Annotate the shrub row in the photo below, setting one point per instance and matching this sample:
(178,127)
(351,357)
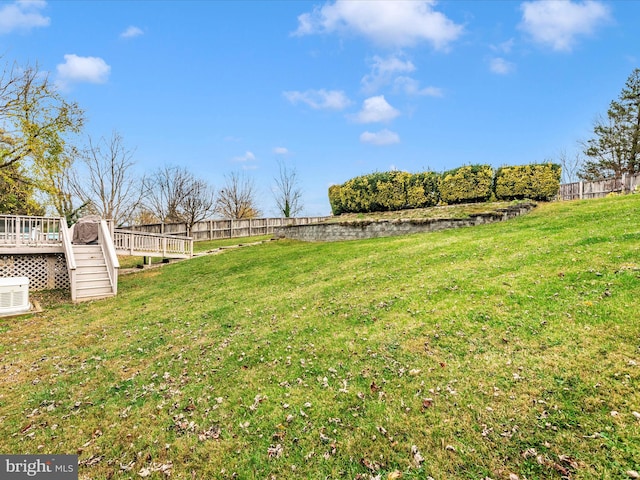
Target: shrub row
(397,190)
(385,191)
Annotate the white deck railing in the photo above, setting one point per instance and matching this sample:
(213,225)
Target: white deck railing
(27,233)
(132,243)
(18,230)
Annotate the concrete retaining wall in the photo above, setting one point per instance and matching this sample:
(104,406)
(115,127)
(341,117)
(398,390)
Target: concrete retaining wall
(358,230)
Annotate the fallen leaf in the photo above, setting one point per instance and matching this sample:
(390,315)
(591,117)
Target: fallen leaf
(274,451)
(417,456)
(371,465)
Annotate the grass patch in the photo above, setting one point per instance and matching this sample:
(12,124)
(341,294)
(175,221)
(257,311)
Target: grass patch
(439,212)
(510,348)
(207,245)
(127,261)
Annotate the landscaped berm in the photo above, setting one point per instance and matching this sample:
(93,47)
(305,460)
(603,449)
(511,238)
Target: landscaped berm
(503,351)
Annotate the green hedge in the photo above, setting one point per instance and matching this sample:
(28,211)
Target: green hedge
(386,191)
(536,182)
(472,183)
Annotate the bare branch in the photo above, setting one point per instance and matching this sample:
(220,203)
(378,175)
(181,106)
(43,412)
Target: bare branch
(109,185)
(176,195)
(237,199)
(287,193)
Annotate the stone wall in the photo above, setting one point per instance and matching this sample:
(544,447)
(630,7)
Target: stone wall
(363,229)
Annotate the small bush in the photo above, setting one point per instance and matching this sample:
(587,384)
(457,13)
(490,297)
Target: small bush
(469,184)
(537,182)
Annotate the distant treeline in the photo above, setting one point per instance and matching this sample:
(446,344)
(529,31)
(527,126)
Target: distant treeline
(396,190)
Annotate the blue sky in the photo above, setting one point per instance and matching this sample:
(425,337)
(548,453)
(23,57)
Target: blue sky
(335,89)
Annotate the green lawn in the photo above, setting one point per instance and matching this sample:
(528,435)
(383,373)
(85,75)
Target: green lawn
(510,349)
(127,261)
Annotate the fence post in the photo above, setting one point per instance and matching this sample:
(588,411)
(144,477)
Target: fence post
(624,183)
(581,189)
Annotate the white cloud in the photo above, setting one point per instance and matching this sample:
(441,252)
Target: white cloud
(23,15)
(281,151)
(320,99)
(388,23)
(247,157)
(411,86)
(504,47)
(77,69)
(558,23)
(383,70)
(501,66)
(383,137)
(376,109)
(131,32)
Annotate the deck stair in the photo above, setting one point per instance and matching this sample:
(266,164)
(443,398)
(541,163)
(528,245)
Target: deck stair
(92,278)
(92,264)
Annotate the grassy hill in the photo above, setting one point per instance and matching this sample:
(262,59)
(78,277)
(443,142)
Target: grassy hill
(505,350)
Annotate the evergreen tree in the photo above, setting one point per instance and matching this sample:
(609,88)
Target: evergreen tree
(615,149)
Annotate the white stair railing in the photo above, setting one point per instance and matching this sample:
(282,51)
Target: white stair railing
(65,238)
(110,256)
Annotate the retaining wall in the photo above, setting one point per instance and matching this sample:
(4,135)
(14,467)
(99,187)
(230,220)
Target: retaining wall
(358,230)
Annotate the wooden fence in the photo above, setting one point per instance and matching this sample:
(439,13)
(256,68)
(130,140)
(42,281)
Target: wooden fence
(600,188)
(215,229)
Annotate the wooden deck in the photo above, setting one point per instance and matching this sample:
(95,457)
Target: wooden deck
(92,269)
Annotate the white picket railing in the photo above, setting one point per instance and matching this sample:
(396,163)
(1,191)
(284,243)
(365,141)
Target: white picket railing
(128,242)
(19,230)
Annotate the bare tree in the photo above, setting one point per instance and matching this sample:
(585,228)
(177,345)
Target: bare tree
(166,188)
(175,195)
(570,166)
(237,199)
(109,186)
(61,192)
(143,216)
(197,204)
(287,192)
